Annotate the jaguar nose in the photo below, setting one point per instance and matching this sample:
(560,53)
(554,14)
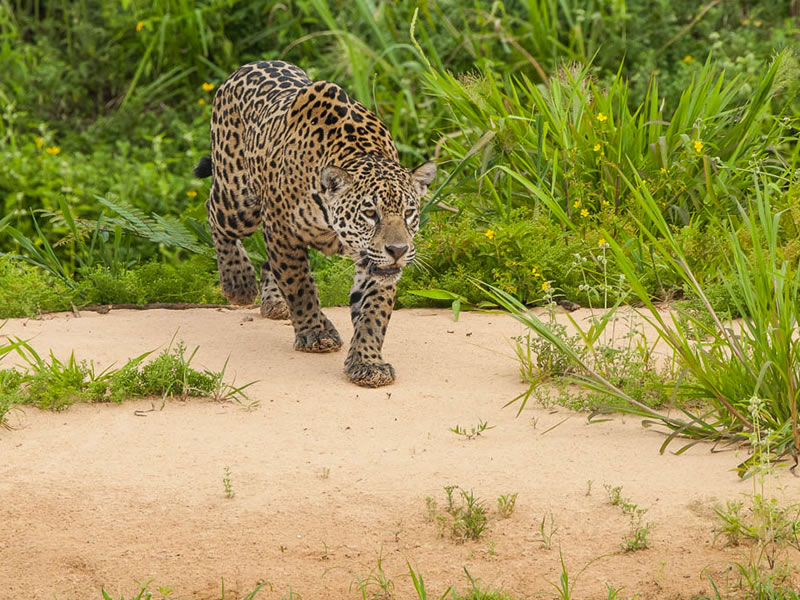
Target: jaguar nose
(396,252)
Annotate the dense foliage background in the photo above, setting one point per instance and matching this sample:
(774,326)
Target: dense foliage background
(543,116)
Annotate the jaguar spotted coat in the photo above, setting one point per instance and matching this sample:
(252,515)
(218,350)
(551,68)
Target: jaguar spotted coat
(312,168)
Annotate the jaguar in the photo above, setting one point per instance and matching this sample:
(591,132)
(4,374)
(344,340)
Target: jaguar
(312,168)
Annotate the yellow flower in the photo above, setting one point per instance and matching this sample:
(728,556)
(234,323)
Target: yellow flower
(698,146)
(207,87)
(489,234)
(576,204)
(601,242)
(606,203)
(601,117)
(201,101)
(597,147)
(139,26)
(53,150)
(584,213)
(191,193)
(664,170)
(535,272)
(38,140)
(687,59)
(545,286)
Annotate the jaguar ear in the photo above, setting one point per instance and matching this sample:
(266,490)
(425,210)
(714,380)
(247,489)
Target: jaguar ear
(335,182)
(422,176)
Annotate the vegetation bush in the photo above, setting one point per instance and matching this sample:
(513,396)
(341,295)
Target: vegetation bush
(193,281)
(113,102)
(28,290)
(526,254)
(56,384)
(741,378)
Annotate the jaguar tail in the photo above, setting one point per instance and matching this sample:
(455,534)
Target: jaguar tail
(203,168)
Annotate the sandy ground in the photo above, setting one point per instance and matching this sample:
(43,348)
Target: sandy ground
(329,477)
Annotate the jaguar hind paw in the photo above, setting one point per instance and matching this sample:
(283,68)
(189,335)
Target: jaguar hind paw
(318,341)
(277,311)
(370,374)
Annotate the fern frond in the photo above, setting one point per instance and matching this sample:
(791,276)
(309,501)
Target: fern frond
(167,230)
(134,219)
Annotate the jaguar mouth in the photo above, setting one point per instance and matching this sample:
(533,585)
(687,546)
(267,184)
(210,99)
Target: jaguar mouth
(386,271)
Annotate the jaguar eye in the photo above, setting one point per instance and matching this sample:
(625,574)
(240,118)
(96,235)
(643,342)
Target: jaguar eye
(409,213)
(370,213)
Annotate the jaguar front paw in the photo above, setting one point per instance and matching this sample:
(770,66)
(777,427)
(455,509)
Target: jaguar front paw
(318,340)
(369,374)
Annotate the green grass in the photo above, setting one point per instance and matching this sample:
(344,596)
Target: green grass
(55,384)
(29,291)
(735,375)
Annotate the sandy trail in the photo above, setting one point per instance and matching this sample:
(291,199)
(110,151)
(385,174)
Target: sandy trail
(329,476)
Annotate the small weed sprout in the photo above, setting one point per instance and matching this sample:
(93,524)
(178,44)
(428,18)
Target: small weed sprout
(377,585)
(565,588)
(442,525)
(613,593)
(639,529)
(470,519)
(419,584)
(227,484)
(222,391)
(732,523)
(449,490)
(506,504)
(547,530)
(474,432)
(466,517)
(326,554)
(614,494)
(398,529)
(431,509)
(637,538)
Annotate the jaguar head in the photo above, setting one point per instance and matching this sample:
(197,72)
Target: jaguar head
(374,208)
